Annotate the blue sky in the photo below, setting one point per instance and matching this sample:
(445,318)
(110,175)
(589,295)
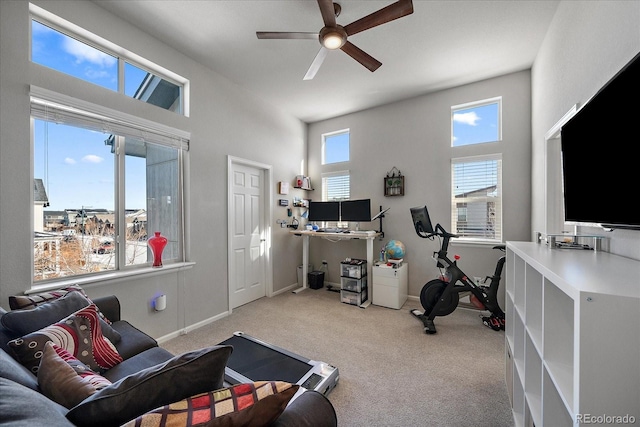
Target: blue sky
(475,125)
(75,164)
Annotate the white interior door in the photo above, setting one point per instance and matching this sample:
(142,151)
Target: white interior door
(247,263)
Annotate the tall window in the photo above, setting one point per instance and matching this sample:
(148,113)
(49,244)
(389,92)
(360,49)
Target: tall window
(105,192)
(89,58)
(476,122)
(335,147)
(104,180)
(476,202)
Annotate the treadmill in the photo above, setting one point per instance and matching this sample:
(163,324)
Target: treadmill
(254,360)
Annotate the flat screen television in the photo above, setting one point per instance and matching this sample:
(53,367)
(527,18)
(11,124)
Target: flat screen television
(600,170)
(324,211)
(355,210)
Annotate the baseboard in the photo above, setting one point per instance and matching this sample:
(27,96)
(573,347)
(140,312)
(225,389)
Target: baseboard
(192,327)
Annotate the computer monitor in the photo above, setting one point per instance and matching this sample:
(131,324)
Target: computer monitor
(355,210)
(421,221)
(324,211)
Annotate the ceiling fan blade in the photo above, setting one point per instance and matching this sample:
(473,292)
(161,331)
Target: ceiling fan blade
(328,12)
(386,14)
(286,35)
(361,56)
(317,62)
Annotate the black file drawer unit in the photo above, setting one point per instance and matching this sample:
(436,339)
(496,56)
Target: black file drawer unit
(353,281)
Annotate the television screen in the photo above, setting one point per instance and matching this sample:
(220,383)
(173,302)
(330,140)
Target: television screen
(324,211)
(599,172)
(355,210)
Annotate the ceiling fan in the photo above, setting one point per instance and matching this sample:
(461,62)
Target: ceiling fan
(333,36)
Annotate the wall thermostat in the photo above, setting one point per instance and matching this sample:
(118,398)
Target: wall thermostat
(284,202)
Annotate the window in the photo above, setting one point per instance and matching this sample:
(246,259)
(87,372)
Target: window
(89,58)
(335,147)
(476,122)
(335,187)
(476,202)
(104,180)
(105,192)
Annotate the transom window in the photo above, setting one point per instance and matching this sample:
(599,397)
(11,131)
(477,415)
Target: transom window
(476,201)
(89,58)
(335,147)
(476,122)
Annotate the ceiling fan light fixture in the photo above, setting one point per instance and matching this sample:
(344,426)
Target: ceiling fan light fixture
(333,38)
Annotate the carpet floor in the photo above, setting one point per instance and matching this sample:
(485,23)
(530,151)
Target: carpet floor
(391,372)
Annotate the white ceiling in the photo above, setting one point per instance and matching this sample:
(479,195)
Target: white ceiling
(441,45)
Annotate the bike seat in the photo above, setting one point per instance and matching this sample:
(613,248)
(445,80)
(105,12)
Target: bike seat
(501,247)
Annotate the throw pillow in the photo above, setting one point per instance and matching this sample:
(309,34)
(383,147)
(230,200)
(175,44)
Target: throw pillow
(66,380)
(25,322)
(22,302)
(252,404)
(80,334)
(178,378)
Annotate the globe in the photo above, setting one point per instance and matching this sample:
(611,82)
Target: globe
(394,249)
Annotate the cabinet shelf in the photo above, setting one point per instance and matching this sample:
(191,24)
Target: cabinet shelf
(571,334)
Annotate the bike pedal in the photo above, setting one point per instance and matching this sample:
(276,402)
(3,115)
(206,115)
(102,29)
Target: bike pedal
(491,322)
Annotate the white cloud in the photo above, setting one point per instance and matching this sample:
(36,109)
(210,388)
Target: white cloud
(70,161)
(92,158)
(84,52)
(470,118)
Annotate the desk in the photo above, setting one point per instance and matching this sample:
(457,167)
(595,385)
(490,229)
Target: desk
(306,235)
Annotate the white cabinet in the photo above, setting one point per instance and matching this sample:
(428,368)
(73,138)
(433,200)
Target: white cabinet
(390,285)
(572,336)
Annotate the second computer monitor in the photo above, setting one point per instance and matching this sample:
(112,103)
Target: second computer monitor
(355,210)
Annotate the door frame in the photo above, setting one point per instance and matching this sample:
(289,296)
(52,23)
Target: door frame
(267,208)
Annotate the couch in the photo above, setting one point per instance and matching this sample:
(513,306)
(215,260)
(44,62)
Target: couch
(57,370)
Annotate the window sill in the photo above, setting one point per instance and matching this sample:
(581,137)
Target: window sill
(111,277)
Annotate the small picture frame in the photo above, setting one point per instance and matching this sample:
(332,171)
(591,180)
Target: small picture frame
(283,187)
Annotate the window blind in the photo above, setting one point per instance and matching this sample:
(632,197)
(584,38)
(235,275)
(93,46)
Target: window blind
(476,202)
(58,108)
(335,186)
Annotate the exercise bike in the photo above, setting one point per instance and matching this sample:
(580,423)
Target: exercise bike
(440,297)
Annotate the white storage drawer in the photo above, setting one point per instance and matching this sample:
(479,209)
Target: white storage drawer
(390,286)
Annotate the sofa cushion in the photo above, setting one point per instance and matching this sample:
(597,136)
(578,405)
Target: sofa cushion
(251,404)
(66,380)
(80,334)
(22,302)
(133,340)
(25,322)
(12,369)
(151,357)
(180,377)
(22,407)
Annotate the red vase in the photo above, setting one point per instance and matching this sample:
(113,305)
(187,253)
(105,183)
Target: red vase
(157,244)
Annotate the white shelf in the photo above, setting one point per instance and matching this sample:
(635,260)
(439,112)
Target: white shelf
(572,340)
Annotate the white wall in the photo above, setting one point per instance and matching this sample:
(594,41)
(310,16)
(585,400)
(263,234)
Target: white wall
(224,120)
(415,136)
(588,42)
